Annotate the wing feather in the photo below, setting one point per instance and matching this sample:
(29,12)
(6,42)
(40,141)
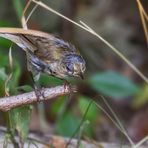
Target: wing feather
(43,45)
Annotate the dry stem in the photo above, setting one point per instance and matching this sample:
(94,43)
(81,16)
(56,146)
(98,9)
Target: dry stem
(10,102)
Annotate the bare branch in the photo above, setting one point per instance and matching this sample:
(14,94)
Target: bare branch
(10,102)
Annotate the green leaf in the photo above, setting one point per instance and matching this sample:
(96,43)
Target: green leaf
(13,83)
(67,125)
(46,80)
(16,71)
(5,23)
(18,8)
(3,75)
(3,59)
(92,113)
(57,105)
(91,116)
(25,88)
(113,84)
(20,119)
(5,43)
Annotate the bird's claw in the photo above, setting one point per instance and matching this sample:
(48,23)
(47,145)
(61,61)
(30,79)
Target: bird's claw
(39,94)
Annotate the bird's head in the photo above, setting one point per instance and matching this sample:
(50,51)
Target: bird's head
(73,65)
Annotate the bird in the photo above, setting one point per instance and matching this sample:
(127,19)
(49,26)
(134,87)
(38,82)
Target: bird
(46,53)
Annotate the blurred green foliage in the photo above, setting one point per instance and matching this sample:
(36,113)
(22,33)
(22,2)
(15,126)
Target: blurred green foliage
(93,111)
(108,83)
(5,72)
(3,77)
(91,116)
(68,121)
(46,81)
(68,124)
(19,120)
(113,84)
(18,7)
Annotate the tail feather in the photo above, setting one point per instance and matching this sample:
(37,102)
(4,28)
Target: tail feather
(19,40)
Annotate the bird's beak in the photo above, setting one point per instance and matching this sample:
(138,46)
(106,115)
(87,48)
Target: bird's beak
(81,75)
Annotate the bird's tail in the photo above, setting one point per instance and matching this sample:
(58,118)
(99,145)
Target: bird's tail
(14,38)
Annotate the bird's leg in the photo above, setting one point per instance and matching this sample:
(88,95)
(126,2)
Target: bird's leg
(38,92)
(37,88)
(66,83)
(35,66)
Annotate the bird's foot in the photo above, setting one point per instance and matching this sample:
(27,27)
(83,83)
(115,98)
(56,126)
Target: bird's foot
(70,87)
(66,84)
(39,94)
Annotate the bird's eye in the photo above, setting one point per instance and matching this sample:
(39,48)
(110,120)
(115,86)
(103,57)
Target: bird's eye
(69,68)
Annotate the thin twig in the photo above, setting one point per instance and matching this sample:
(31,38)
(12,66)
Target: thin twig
(8,103)
(143,17)
(23,20)
(141,142)
(117,120)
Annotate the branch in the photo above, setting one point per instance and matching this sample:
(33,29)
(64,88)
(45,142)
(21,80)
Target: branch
(10,102)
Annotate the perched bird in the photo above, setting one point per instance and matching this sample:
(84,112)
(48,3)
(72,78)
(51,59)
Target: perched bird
(46,53)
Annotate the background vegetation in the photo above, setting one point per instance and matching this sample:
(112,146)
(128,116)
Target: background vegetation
(106,74)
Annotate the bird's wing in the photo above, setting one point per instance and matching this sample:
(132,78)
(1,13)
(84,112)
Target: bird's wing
(18,36)
(53,49)
(43,45)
